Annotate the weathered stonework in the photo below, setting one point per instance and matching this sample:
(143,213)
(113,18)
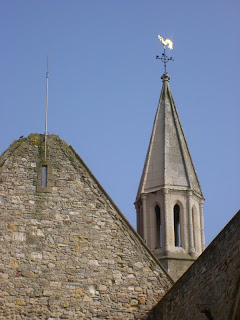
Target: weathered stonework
(169,199)
(210,289)
(66,250)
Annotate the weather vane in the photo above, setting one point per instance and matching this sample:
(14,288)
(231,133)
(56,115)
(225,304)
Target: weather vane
(165,58)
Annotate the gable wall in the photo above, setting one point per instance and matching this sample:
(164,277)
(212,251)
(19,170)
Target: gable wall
(68,253)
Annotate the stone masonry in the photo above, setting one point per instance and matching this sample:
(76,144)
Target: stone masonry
(210,289)
(67,252)
(169,202)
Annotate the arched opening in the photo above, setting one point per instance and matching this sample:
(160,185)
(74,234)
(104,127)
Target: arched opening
(158,227)
(177,231)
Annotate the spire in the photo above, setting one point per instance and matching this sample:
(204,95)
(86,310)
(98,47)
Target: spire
(169,201)
(168,162)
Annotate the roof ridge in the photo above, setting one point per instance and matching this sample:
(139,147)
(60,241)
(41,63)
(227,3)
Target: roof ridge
(119,211)
(184,137)
(10,150)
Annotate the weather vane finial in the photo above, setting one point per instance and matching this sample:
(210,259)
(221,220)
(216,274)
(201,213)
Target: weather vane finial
(164,58)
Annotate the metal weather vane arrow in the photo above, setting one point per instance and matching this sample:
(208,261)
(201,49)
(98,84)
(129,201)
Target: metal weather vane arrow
(165,58)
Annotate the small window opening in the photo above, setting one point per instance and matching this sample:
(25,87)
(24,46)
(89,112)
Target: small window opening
(177,232)
(159,227)
(44,176)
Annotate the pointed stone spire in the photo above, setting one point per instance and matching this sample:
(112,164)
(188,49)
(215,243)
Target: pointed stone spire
(169,192)
(168,162)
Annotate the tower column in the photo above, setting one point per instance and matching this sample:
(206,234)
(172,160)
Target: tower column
(190,224)
(139,218)
(198,241)
(167,223)
(145,220)
(184,229)
(202,225)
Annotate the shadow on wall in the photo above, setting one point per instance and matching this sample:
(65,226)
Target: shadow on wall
(210,288)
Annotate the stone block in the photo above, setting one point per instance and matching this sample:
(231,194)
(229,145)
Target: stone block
(87,299)
(102,288)
(78,292)
(20,302)
(134,302)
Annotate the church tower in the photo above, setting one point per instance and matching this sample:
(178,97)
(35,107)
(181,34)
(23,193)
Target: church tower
(169,200)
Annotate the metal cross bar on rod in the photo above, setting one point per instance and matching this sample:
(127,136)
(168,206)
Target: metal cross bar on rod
(164,58)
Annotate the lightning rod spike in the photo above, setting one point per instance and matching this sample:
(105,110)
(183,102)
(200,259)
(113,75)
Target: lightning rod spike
(46,112)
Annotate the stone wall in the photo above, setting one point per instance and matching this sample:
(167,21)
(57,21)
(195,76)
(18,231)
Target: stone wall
(210,289)
(66,251)
(176,266)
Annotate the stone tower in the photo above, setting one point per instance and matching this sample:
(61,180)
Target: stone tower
(169,200)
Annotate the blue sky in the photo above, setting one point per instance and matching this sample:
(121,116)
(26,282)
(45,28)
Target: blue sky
(104,86)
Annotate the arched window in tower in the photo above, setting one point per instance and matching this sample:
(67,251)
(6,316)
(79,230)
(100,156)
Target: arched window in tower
(177,233)
(158,227)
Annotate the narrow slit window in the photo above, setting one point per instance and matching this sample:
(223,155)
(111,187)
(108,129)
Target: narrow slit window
(44,176)
(177,231)
(159,227)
